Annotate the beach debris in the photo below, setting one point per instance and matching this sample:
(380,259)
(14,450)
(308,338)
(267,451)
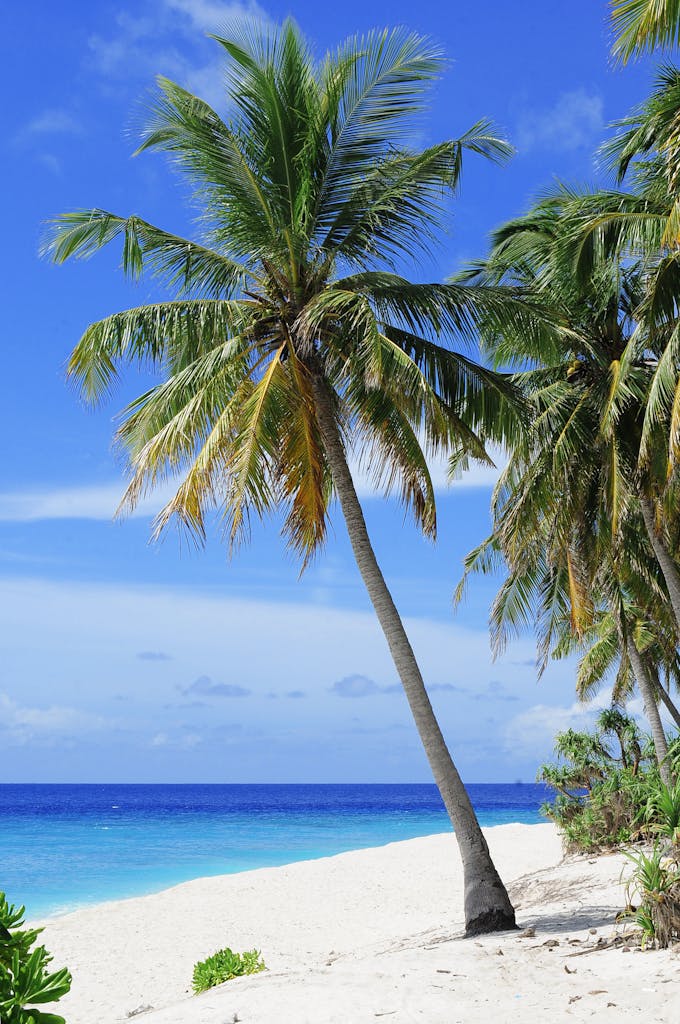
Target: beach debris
(570,970)
(599,945)
(139,1009)
(551,943)
(499,952)
(573,999)
(528,933)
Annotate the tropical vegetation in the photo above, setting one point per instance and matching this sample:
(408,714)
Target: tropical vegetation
(292,346)
(26,981)
(643,25)
(608,787)
(223,966)
(291,343)
(574,513)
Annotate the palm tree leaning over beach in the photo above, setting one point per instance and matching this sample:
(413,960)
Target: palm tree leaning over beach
(291,340)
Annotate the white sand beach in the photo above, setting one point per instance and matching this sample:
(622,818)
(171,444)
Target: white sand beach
(369,935)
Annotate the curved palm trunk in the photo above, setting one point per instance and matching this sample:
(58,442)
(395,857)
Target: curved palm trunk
(651,709)
(663,693)
(487,905)
(668,703)
(669,568)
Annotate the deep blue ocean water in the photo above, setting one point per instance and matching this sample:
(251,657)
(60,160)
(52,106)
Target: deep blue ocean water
(66,846)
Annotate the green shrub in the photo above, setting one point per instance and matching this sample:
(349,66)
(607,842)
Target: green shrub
(608,788)
(24,978)
(655,882)
(223,965)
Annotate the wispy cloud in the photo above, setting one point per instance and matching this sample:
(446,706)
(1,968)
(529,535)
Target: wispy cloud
(205,687)
(534,730)
(168,37)
(210,15)
(183,739)
(361,686)
(573,122)
(50,122)
(21,724)
(100,501)
(154,656)
(90,501)
(355,686)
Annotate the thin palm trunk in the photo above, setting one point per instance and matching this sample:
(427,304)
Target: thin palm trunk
(651,709)
(665,697)
(669,704)
(487,905)
(667,564)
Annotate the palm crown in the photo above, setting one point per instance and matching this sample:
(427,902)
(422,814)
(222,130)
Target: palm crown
(310,195)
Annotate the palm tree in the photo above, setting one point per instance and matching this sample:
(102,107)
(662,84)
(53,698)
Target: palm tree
(643,226)
(642,25)
(570,507)
(292,340)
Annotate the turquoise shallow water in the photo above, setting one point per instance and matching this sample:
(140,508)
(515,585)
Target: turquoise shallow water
(67,846)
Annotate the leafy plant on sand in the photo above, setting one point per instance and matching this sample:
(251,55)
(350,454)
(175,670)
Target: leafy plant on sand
(224,965)
(609,790)
(291,342)
(24,976)
(656,883)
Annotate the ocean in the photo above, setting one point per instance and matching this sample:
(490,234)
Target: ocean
(66,846)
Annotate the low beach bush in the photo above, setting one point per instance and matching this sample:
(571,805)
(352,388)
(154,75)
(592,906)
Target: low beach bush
(24,976)
(608,787)
(655,882)
(224,965)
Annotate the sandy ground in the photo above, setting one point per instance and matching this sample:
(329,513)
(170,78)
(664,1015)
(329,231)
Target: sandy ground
(370,935)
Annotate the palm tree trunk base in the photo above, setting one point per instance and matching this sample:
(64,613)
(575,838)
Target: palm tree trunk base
(490,921)
(487,905)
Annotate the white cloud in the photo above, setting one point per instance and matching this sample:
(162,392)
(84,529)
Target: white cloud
(52,122)
(210,15)
(534,730)
(355,686)
(205,687)
(60,636)
(168,37)
(21,724)
(573,122)
(96,501)
(100,501)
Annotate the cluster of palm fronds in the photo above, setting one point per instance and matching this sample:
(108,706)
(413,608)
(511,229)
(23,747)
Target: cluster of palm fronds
(585,516)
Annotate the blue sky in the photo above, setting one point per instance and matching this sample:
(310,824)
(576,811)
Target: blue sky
(123,661)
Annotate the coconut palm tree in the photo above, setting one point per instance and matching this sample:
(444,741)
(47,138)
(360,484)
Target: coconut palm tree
(642,25)
(292,341)
(643,227)
(569,511)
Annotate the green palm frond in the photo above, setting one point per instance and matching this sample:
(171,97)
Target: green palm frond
(309,186)
(644,25)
